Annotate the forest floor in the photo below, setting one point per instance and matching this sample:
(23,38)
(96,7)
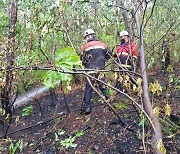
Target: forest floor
(50,130)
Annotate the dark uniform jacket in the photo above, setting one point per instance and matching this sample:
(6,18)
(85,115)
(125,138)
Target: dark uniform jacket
(94,54)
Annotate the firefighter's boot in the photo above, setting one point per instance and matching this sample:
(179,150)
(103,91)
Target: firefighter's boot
(86,109)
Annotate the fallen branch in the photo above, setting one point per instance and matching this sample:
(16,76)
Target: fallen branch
(144,112)
(107,102)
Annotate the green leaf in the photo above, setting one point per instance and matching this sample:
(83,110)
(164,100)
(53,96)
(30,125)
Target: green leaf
(12,148)
(65,60)
(79,134)
(56,137)
(18,146)
(1,147)
(50,78)
(110,92)
(120,106)
(61,132)
(87,119)
(67,143)
(27,111)
(31,144)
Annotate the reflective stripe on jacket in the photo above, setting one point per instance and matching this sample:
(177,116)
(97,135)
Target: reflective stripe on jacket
(125,49)
(94,54)
(93,45)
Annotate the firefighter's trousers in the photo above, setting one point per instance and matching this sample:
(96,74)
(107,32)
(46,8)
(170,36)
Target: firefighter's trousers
(89,89)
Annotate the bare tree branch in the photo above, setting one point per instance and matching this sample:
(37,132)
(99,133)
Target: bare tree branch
(139,106)
(106,101)
(152,11)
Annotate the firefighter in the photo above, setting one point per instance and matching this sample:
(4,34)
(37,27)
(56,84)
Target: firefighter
(126,51)
(94,55)
(127,54)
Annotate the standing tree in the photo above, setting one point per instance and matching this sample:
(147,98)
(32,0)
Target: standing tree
(65,22)
(157,135)
(138,15)
(7,89)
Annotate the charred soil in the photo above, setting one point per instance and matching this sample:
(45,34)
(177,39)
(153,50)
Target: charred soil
(51,129)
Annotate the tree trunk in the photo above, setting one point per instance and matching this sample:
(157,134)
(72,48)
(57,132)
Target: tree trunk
(157,136)
(52,90)
(166,55)
(6,89)
(125,17)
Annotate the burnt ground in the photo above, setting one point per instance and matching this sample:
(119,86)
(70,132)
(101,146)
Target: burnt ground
(101,131)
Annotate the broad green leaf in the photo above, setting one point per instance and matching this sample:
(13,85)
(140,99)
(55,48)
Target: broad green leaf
(50,78)
(65,60)
(27,111)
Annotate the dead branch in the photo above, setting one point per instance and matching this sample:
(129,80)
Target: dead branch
(107,102)
(139,106)
(152,11)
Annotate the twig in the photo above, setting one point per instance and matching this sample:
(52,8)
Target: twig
(98,2)
(124,69)
(75,71)
(67,33)
(169,123)
(152,11)
(126,96)
(106,101)
(133,13)
(53,51)
(10,121)
(39,46)
(144,13)
(84,73)
(155,44)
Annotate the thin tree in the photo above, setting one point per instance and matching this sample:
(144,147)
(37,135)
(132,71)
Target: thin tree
(6,92)
(157,135)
